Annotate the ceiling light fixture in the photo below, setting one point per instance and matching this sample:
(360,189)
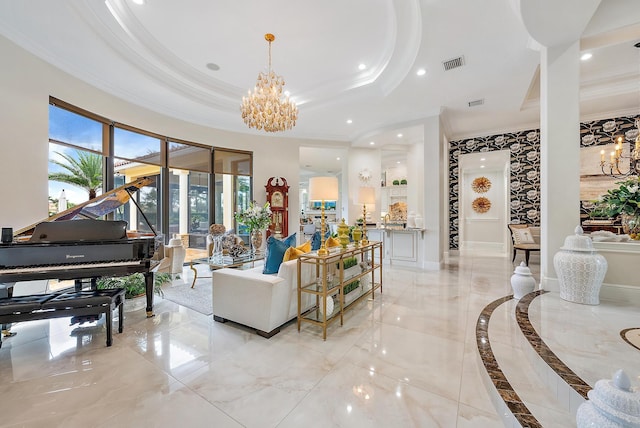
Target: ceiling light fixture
(421,72)
(140,2)
(586,56)
(349,121)
(362,67)
(399,135)
(265,108)
(372,143)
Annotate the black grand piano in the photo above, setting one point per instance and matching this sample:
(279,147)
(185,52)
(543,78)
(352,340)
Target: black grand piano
(75,244)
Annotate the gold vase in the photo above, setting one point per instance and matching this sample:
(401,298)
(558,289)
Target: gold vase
(357,235)
(256,240)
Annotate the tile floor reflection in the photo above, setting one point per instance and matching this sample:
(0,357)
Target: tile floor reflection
(407,359)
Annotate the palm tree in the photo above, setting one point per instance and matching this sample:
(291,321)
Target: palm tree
(84,171)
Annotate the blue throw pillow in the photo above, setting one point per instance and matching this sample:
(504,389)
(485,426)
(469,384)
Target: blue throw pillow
(275,252)
(315,240)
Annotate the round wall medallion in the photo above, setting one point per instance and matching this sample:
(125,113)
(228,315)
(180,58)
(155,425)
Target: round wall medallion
(365,175)
(481,185)
(481,205)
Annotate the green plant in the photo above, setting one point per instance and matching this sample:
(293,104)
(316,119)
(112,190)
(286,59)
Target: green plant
(255,217)
(348,262)
(403,181)
(134,284)
(623,200)
(350,287)
(84,171)
(396,182)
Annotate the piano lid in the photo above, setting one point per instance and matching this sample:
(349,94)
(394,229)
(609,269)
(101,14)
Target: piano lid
(96,207)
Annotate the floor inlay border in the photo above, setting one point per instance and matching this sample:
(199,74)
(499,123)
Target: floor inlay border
(623,334)
(547,355)
(519,410)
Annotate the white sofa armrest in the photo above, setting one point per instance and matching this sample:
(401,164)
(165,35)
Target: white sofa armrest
(249,298)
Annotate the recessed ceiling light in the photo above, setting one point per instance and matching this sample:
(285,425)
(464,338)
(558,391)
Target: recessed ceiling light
(481,166)
(372,143)
(338,158)
(399,135)
(421,72)
(287,93)
(211,65)
(349,121)
(138,1)
(397,162)
(586,56)
(362,67)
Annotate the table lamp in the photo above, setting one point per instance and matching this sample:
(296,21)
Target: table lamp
(366,195)
(323,189)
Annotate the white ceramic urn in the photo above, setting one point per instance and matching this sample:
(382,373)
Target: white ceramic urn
(612,404)
(419,221)
(522,281)
(580,269)
(411,220)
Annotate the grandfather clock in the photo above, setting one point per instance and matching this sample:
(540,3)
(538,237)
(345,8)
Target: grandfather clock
(278,198)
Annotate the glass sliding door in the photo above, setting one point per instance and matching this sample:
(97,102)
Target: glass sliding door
(233,188)
(189,193)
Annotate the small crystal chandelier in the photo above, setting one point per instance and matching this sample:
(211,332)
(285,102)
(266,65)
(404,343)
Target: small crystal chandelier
(614,167)
(265,108)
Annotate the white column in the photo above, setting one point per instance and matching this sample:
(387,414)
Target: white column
(560,152)
(183,226)
(432,182)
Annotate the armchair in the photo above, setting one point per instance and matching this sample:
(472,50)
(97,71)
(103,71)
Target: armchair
(524,237)
(174,255)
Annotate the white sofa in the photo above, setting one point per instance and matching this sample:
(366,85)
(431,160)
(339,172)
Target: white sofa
(263,302)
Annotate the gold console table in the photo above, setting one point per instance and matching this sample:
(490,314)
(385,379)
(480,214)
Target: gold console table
(342,278)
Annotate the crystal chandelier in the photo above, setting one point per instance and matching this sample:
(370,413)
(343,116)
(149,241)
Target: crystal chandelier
(266,108)
(614,167)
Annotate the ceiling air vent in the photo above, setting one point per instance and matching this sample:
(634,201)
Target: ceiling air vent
(453,63)
(476,103)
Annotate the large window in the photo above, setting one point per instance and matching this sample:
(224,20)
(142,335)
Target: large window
(232,187)
(75,159)
(185,195)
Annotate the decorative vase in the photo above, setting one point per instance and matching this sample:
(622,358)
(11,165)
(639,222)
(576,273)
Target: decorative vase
(522,281)
(419,221)
(357,236)
(217,247)
(613,403)
(411,220)
(343,234)
(580,269)
(256,241)
(630,223)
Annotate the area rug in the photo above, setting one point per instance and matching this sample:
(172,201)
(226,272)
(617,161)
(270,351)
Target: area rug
(198,298)
(632,337)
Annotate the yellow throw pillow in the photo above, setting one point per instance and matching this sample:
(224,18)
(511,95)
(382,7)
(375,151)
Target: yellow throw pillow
(305,248)
(331,242)
(292,253)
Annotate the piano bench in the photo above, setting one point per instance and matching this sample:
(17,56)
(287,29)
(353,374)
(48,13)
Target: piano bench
(57,305)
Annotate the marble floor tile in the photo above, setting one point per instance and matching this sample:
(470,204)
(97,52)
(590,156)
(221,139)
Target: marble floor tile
(408,358)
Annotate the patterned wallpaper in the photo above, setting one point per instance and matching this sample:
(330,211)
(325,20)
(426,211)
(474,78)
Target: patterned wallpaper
(525,165)
(524,175)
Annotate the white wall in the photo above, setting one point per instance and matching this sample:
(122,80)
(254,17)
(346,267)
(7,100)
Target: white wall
(359,159)
(27,83)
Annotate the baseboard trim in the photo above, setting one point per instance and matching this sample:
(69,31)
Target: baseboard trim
(610,292)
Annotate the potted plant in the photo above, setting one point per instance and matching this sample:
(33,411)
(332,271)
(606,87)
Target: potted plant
(624,201)
(134,285)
